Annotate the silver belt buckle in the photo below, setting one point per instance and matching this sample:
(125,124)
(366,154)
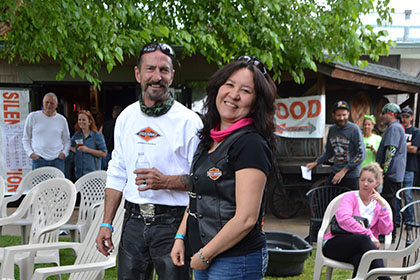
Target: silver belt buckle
(147,210)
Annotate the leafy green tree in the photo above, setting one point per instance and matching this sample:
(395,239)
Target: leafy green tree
(287,35)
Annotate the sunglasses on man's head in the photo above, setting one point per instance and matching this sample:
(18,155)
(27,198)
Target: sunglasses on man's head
(254,61)
(151,47)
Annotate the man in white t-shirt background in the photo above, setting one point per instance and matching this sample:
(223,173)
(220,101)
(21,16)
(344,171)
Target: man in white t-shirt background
(46,136)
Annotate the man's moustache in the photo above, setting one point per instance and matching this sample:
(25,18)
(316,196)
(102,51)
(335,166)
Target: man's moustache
(160,83)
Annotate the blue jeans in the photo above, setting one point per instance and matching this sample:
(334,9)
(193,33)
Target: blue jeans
(408,197)
(59,163)
(248,267)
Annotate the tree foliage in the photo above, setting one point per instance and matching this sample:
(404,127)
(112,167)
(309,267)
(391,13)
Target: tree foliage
(287,35)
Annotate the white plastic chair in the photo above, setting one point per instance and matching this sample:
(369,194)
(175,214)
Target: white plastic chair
(52,202)
(92,192)
(320,259)
(90,263)
(363,272)
(30,180)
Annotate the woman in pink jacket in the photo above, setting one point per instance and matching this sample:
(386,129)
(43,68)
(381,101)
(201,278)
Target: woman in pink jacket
(367,203)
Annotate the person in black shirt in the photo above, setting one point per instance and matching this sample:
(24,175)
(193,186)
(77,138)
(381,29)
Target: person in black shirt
(412,135)
(228,175)
(107,129)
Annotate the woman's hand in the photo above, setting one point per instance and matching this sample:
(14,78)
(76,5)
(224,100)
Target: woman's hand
(197,264)
(177,252)
(376,196)
(376,242)
(370,147)
(83,148)
(94,152)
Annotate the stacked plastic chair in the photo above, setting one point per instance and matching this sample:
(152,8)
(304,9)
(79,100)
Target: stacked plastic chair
(90,264)
(52,203)
(29,181)
(92,193)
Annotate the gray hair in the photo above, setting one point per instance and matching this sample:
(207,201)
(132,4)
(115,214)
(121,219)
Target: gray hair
(52,94)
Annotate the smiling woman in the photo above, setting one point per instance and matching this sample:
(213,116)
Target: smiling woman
(235,98)
(231,166)
(88,144)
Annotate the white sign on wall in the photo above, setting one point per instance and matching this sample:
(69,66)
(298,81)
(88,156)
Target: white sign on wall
(14,157)
(14,163)
(300,117)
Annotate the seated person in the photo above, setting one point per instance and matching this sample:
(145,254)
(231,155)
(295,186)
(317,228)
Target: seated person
(367,203)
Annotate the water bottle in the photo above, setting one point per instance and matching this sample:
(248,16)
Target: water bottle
(142,162)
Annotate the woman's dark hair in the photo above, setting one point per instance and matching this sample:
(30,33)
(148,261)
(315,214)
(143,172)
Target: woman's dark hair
(263,107)
(92,126)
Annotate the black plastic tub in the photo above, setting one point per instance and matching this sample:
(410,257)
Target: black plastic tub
(287,253)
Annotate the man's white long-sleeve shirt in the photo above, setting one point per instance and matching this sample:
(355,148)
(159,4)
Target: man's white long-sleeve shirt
(168,142)
(46,136)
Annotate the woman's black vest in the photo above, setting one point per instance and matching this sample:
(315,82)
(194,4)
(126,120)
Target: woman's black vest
(213,183)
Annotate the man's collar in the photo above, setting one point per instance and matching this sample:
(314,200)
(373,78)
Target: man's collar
(55,113)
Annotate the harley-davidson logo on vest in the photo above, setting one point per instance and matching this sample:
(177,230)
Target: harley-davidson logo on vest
(214,173)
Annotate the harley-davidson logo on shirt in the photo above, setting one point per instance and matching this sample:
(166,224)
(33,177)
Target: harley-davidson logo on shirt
(214,173)
(147,134)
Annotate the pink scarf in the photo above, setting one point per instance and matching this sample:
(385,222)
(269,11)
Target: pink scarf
(219,135)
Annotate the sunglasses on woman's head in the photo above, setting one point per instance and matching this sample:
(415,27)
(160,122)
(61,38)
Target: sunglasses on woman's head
(254,61)
(151,47)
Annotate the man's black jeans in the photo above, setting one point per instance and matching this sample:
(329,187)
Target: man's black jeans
(144,246)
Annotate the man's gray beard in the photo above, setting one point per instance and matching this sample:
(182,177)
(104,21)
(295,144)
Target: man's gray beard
(160,97)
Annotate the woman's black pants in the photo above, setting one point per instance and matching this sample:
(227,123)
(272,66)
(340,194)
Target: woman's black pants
(350,248)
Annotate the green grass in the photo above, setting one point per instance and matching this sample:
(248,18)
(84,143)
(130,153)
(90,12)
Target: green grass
(66,257)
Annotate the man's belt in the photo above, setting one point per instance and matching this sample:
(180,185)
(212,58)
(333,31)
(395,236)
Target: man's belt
(149,211)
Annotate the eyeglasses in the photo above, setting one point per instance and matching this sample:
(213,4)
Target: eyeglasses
(254,61)
(151,47)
